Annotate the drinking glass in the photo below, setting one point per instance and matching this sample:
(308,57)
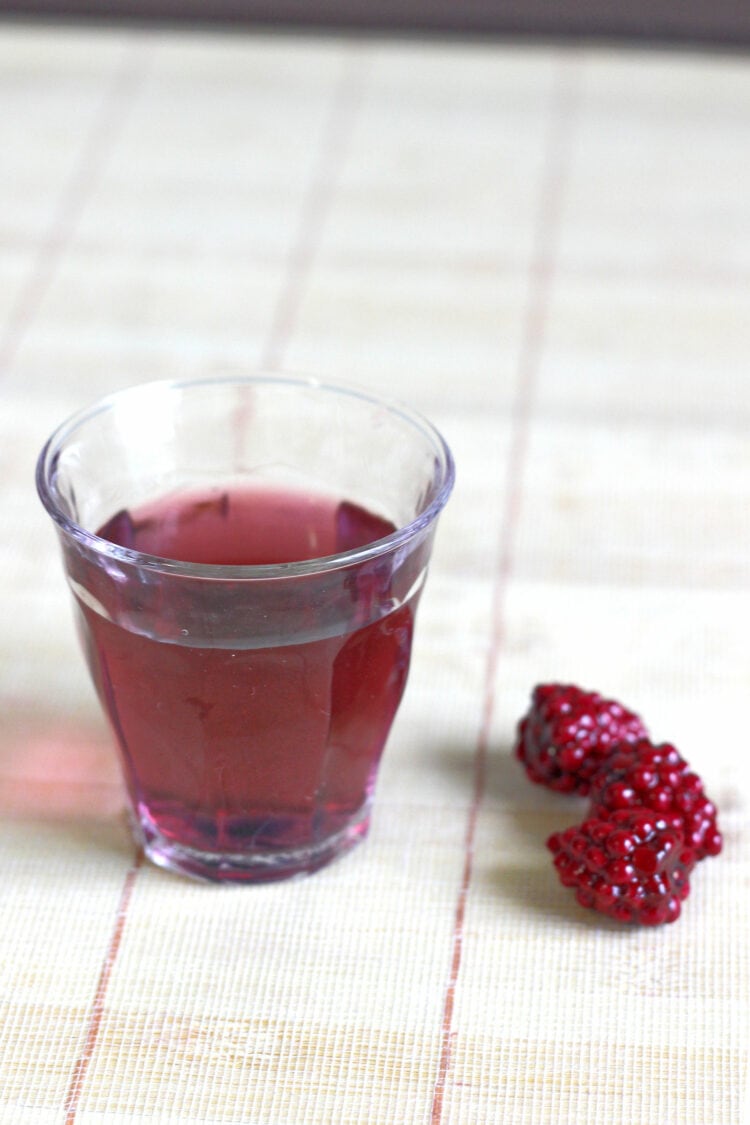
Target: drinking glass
(246,555)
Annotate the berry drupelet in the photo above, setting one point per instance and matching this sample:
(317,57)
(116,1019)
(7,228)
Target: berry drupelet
(657,778)
(567,733)
(632,865)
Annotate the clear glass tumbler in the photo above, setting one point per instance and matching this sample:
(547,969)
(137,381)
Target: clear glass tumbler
(246,556)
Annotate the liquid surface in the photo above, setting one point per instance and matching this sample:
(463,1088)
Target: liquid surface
(252,527)
(249,751)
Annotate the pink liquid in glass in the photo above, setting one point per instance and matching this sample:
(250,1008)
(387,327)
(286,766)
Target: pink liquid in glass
(231,749)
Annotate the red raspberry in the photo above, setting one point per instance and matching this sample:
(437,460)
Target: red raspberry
(567,732)
(658,778)
(632,866)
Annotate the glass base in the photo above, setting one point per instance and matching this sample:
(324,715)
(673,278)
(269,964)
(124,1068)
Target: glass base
(259,865)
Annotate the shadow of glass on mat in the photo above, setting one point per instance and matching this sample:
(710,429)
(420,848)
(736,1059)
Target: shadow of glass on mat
(56,768)
(60,785)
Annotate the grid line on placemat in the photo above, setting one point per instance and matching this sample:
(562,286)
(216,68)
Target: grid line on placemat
(329,158)
(331,150)
(564,97)
(97,1007)
(96,145)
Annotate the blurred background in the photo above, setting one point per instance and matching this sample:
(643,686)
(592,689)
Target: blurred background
(691,21)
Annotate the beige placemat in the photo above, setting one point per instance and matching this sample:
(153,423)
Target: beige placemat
(547,251)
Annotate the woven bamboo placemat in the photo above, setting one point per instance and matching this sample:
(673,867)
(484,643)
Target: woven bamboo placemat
(547,250)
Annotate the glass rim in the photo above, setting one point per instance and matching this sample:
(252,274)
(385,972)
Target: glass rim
(445,474)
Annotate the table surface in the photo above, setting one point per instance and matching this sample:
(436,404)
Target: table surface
(547,250)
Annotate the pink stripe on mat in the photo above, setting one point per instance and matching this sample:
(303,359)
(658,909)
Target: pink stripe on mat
(316,205)
(97,1008)
(541,274)
(95,147)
